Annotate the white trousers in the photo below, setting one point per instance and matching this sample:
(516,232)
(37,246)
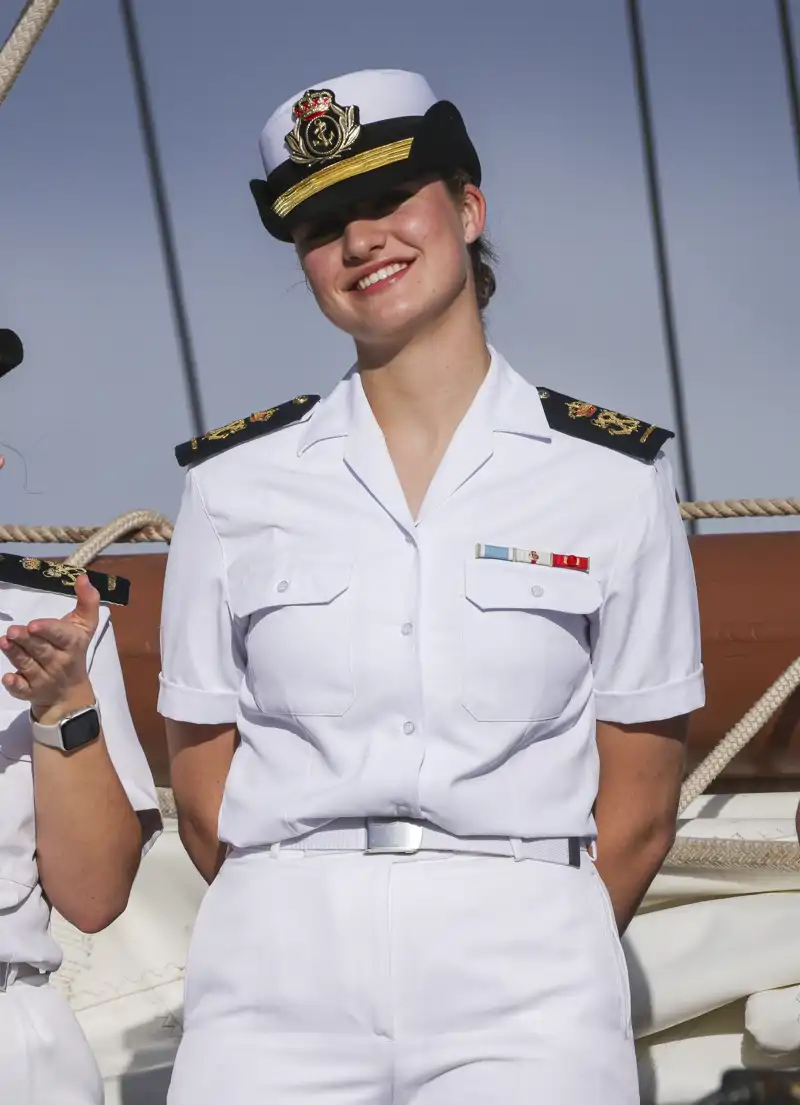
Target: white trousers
(44,1057)
(432,979)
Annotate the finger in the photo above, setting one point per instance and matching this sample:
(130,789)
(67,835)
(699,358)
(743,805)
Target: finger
(87,609)
(36,646)
(21,659)
(17,685)
(58,633)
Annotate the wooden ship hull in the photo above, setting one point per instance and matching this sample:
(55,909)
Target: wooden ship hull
(750,619)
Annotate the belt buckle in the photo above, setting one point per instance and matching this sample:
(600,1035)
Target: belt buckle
(386,836)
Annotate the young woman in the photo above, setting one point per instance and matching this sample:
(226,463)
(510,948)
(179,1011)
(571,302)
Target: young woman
(77,810)
(406,638)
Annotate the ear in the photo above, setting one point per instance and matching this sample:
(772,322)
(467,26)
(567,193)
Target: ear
(473,213)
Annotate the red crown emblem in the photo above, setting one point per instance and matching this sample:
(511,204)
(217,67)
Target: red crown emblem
(311,105)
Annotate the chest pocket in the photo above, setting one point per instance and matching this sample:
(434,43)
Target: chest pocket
(525,639)
(297,623)
(18,871)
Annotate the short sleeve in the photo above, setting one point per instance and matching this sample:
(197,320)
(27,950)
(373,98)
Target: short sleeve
(646,649)
(201,659)
(122,742)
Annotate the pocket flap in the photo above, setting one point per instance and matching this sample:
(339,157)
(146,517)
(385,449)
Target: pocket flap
(301,583)
(500,585)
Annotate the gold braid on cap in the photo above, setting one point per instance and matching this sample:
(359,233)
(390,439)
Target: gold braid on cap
(341,170)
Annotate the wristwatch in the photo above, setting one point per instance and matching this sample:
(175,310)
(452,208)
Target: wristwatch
(70,733)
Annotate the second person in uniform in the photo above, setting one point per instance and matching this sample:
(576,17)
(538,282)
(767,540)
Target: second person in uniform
(78,808)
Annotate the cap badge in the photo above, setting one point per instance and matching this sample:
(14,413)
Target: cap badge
(322,130)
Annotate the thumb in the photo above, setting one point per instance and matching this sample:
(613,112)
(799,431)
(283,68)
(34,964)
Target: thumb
(87,608)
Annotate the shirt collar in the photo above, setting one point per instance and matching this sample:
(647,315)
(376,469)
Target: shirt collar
(513,406)
(506,402)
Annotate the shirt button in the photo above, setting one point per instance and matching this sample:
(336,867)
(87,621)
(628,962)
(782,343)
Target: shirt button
(537,591)
(408,728)
(406,629)
(283,586)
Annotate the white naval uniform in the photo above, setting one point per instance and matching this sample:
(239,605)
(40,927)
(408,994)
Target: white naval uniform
(44,1056)
(375,667)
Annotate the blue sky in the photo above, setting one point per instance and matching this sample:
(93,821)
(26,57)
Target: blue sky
(547,90)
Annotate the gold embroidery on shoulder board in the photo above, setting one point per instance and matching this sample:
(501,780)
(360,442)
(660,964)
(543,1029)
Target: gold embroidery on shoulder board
(581,410)
(65,572)
(616,424)
(225,431)
(68,574)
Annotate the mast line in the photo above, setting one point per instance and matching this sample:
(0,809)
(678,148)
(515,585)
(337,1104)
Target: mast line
(654,195)
(163,217)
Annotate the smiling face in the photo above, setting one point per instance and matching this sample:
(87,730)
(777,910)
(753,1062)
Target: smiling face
(386,269)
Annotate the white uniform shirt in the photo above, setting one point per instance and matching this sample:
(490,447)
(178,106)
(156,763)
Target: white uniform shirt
(375,667)
(24,913)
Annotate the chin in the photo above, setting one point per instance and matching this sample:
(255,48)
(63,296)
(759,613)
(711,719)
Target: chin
(395,323)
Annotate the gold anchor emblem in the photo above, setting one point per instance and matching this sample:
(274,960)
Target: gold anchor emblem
(322,130)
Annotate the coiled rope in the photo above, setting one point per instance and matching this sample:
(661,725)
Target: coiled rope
(17,47)
(135,525)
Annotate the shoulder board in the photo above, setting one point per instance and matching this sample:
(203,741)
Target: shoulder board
(52,575)
(244,429)
(617,431)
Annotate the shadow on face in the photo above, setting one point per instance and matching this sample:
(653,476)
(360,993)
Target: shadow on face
(387,265)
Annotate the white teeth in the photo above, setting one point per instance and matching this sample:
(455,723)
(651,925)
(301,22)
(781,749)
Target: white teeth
(381,274)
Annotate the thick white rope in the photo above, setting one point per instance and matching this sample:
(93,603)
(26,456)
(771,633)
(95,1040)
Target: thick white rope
(739,508)
(19,44)
(75,535)
(740,735)
(134,521)
(714,854)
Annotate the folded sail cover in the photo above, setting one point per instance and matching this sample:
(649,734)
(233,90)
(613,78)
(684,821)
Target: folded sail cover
(352,138)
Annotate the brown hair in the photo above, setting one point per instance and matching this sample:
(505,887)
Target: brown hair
(481,252)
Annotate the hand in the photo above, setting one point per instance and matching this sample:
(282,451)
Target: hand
(50,657)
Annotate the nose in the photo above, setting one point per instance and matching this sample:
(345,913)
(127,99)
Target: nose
(362,238)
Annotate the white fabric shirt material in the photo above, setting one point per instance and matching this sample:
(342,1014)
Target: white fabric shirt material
(374,666)
(24,914)
(377,93)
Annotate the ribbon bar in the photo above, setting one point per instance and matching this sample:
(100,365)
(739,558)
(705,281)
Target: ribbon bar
(532,556)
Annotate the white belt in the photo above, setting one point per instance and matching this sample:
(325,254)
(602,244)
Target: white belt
(383,835)
(20,972)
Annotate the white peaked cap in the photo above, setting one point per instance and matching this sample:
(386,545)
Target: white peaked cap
(377,93)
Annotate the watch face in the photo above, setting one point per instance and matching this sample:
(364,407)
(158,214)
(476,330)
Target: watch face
(80,730)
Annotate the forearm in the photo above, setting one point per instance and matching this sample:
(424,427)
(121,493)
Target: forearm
(629,856)
(200,759)
(641,767)
(88,837)
(199,838)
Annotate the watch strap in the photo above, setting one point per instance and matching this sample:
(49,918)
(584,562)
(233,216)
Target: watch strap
(50,735)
